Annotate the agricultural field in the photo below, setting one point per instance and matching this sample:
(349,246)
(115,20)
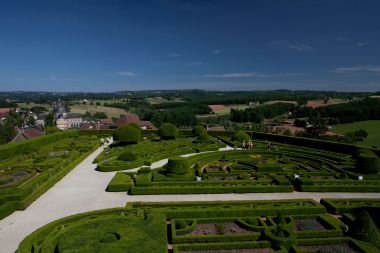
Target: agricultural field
(110,111)
(370,126)
(29,169)
(225,109)
(281,226)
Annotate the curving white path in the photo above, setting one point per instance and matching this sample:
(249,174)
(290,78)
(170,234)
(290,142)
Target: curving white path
(83,189)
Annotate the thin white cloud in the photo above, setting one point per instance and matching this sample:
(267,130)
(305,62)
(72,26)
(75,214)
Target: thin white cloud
(174,55)
(53,78)
(361,44)
(125,73)
(345,70)
(299,47)
(217,51)
(230,75)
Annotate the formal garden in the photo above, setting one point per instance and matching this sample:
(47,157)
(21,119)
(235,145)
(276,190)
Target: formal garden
(197,162)
(30,168)
(299,225)
(250,165)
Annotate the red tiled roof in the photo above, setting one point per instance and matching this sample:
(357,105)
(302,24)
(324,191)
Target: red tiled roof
(128,118)
(106,121)
(147,124)
(31,132)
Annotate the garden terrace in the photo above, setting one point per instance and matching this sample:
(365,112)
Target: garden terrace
(31,171)
(149,151)
(257,170)
(300,225)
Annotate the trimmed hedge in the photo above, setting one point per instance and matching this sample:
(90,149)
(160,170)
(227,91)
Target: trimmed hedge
(120,182)
(168,131)
(367,161)
(127,134)
(128,156)
(240,136)
(178,165)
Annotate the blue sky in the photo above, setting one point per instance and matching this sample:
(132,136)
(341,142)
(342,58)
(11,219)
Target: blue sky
(111,45)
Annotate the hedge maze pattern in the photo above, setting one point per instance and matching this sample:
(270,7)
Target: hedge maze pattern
(32,169)
(301,225)
(280,168)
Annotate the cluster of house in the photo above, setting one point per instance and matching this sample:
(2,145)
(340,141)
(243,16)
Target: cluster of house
(69,120)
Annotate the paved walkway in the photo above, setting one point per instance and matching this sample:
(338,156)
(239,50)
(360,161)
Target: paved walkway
(83,189)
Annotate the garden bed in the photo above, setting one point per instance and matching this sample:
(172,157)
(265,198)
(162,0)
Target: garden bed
(217,228)
(262,250)
(336,247)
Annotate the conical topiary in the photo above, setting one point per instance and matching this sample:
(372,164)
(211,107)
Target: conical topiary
(364,229)
(280,220)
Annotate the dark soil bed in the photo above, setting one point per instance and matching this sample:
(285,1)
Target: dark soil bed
(262,250)
(308,224)
(217,178)
(218,228)
(339,247)
(213,169)
(14,177)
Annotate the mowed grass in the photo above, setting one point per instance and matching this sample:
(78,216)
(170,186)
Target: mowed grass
(371,126)
(227,109)
(111,112)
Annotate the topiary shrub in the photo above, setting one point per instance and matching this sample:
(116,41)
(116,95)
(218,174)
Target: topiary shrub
(180,224)
(168,131)
(204,138)
(367,161)
(240,136)
(279,219)
(198,130)
(364,229)
(110,237)
(253,221)
(127,134)
(128,156)
(178,165)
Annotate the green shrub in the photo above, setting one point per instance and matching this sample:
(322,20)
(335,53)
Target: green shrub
(128,156)
(240,136)
(364,229)
(127,134)
(180,224)
(121,182)
(178,165)
(168,131)
(110,237)
(367,161)
(204,138)
(198,130)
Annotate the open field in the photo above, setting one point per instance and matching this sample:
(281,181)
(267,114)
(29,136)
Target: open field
(371,126)
(111,112)
(32,104)
(225,109)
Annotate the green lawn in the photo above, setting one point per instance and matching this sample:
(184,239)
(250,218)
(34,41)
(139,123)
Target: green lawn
(371,126)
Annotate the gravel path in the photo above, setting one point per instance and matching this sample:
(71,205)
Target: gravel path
(83,189)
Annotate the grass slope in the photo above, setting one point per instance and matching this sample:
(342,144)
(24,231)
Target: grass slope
(371,126)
